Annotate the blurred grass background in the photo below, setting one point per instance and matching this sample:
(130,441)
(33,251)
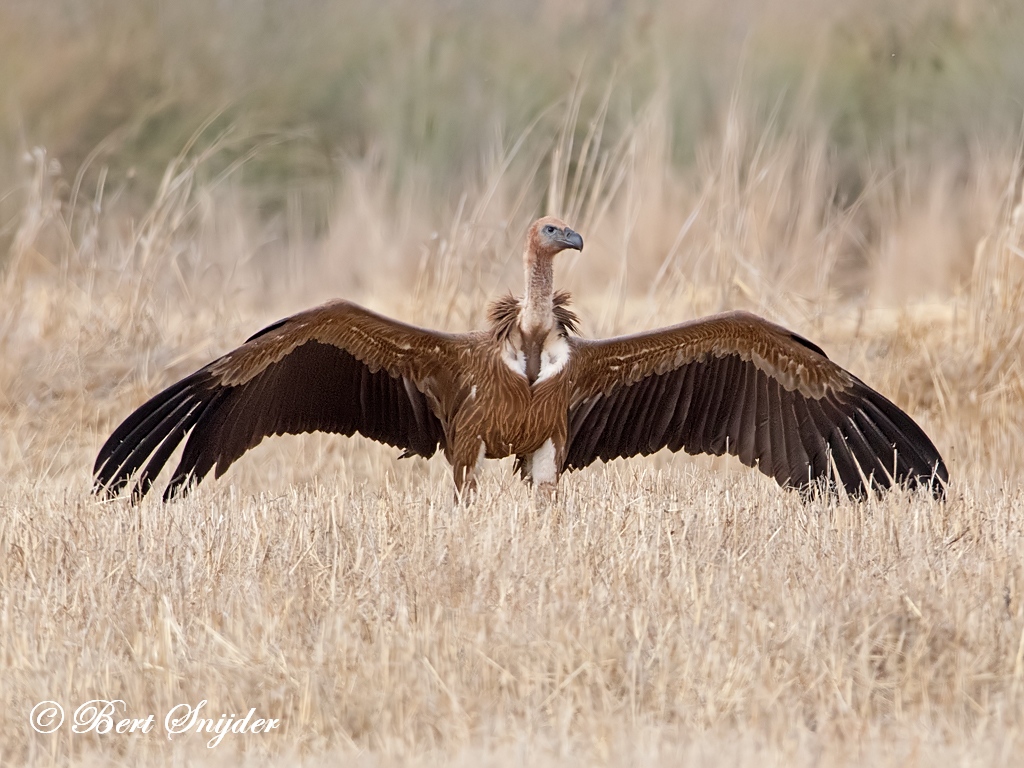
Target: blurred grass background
(427,89)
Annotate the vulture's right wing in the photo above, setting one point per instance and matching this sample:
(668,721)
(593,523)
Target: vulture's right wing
(336,368)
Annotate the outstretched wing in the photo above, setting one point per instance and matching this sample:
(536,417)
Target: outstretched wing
(336,368)
(735,383)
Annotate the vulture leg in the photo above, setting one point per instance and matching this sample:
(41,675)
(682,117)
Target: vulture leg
(464,470)
(544,467)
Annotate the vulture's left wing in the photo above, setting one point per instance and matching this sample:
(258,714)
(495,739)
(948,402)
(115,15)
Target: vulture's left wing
(735,383)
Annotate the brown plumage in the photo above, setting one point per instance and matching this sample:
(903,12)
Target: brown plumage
(529,387)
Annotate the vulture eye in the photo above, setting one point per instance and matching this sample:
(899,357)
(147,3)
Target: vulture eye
(549,230)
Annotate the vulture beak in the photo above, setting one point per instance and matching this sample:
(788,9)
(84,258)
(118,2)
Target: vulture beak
(572,240)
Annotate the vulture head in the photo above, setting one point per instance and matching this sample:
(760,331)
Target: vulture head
(548,236)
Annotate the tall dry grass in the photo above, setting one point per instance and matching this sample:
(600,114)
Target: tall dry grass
(425,84)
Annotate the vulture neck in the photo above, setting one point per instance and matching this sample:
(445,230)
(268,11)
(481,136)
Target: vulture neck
(538,314)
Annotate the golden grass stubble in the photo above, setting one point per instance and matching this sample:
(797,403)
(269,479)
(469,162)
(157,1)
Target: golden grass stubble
(683,601)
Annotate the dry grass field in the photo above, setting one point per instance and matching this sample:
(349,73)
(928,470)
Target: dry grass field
(672,610)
